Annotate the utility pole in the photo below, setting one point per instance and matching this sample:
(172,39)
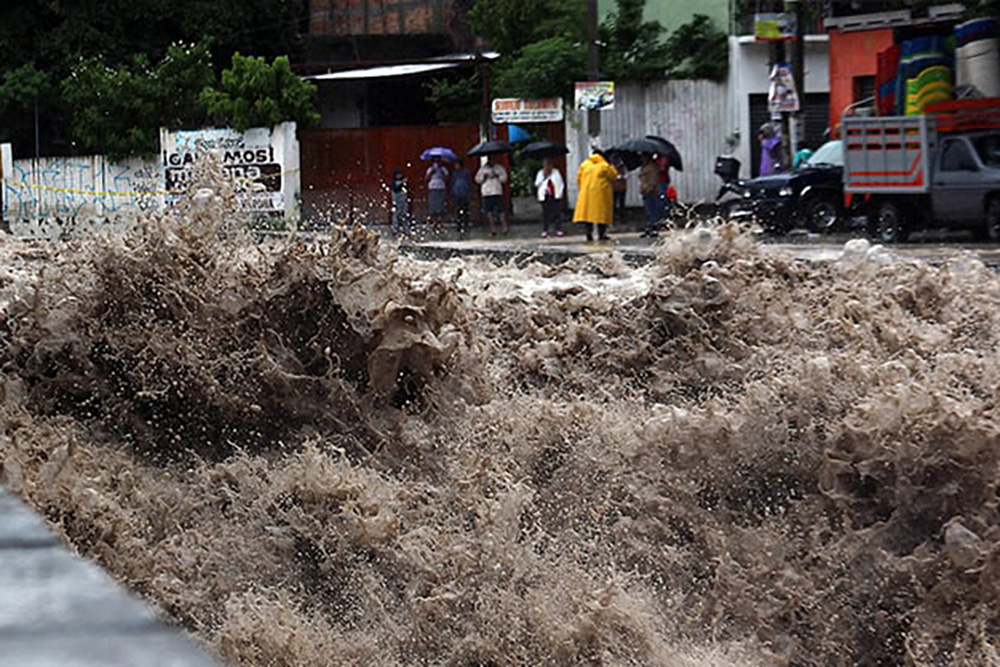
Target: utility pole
(486,103)
(593,64)
(798,73)
(37,142)
(778,56)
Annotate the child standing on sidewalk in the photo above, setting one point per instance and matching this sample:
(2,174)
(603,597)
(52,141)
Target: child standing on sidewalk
(400,191)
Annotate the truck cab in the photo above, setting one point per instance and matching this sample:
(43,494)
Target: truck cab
(965,178)
(937,170)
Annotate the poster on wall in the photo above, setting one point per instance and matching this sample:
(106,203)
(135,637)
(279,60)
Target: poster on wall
(782,95)
(513,110)
(254,160)
(594,95)
(774,27)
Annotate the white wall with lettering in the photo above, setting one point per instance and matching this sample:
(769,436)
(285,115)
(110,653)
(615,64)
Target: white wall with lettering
(264,164)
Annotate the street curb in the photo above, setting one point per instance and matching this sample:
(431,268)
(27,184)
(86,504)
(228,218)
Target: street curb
(519,257)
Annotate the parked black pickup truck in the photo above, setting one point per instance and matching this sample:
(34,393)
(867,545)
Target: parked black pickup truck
(811,196)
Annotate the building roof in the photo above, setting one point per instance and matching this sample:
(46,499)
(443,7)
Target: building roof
(405,68)
(893,19)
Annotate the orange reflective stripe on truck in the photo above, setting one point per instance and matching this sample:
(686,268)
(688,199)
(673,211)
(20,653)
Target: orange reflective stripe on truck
(919,181)
(913,168)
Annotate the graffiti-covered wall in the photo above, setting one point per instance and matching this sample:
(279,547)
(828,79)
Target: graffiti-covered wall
(74,188)
(42,196)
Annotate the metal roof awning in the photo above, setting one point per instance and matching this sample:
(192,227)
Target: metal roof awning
(903,17)
(404,68)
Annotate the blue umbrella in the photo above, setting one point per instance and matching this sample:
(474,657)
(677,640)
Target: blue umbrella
(516,133)
(439,151)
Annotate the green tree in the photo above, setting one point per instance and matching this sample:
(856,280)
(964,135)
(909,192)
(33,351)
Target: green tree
(541,47)
(56,35)
(697,50)
(633,49)
(23,91)
(118,110)
(255,94)
(455,100)
(546,68)
(510,25)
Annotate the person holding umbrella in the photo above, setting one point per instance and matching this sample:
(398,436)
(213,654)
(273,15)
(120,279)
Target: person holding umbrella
(491,178)
(595,202)
(550,186)
(436,176)
(437,191)
(649,188)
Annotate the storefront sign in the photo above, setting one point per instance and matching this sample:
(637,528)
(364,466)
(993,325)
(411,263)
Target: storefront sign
(774,27)
(594,95)
(513,110)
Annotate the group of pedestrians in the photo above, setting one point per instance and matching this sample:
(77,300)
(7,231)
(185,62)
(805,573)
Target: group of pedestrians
(490,177)
(601,193)
(601,185)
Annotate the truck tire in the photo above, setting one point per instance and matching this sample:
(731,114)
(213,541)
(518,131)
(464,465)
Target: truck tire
(993,218)
(889,225)
(821,213)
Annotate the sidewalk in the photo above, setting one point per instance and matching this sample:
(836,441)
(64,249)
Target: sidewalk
(524,240)
(57,609)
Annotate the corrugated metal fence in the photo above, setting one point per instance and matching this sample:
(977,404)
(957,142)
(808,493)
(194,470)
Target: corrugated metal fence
(691,114)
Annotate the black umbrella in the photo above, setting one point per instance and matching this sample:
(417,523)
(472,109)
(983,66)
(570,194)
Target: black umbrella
(631,151)
(640,146)
(544,149)
(669,150)
(631,159)
(491,147)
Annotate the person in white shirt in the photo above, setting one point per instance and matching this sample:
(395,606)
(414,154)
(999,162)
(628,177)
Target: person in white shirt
(550,185)
(491,178)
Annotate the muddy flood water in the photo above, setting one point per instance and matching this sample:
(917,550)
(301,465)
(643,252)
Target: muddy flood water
(332,454)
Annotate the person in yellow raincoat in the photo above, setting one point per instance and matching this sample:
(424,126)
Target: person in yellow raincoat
(595,201)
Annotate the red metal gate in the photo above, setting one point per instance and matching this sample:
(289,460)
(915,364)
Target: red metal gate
(345,173)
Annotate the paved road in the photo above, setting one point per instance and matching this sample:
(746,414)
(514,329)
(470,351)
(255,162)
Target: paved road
(59,610)
(527,242)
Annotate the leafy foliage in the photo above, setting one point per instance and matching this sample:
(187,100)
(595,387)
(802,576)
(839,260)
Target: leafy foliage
(119,110)
(56,36)
(455,100)
(20,91)
(510,25)
(23,85)
(543,47)
(634,49)
(697,50)
(255,94)
(546,68)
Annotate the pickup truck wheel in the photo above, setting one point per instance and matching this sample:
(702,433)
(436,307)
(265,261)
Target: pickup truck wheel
(993,219)
(821,213)
(888,226)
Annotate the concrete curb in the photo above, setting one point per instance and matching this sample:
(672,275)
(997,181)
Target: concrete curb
(59,609)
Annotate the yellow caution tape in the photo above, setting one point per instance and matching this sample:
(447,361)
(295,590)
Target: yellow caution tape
(96,193)
(77,191)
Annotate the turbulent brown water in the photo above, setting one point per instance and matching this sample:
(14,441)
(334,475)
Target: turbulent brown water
(327,453)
